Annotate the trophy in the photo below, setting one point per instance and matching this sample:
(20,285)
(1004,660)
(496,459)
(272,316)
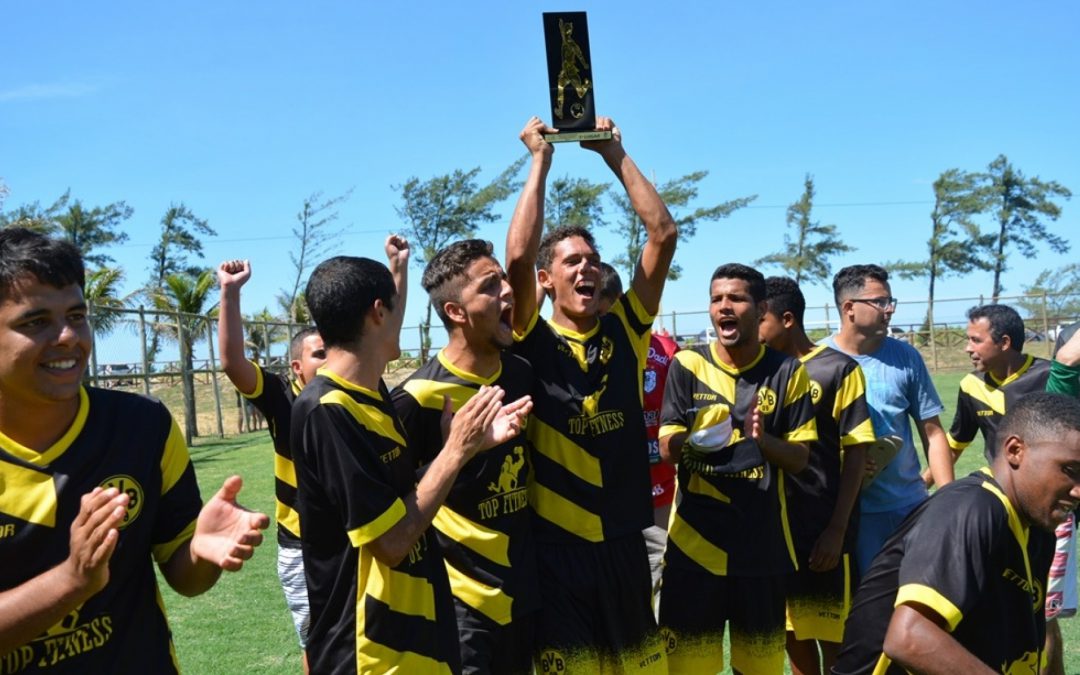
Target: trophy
(573,110)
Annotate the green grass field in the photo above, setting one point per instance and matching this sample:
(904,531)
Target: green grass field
(243,626)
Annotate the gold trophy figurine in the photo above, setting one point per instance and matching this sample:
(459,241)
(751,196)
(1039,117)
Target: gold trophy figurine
(566,36)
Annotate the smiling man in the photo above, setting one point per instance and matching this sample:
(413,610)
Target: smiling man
(590,486)
(959,588)
(484,528)
(95,485)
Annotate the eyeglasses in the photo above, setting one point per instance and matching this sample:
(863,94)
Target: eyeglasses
(884,304)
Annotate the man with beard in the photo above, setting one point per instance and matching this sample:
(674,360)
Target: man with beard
(898,388)
(737,417)
(484,528)
(590,486)
(959,587)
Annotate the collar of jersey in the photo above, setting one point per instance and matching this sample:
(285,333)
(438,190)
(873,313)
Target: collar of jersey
(731,369)
(345,384)
(466,375)
(56,449)
(1023,369)
(1019,530)
(573,334)
(812,353)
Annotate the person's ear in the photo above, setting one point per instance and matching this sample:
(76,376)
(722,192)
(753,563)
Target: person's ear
(1006,342)
(543,277)
(788,320)
(1015,450)
(455,312)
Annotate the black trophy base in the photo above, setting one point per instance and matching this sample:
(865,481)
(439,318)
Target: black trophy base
(577,136)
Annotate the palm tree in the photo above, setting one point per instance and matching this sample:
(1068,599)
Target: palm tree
(102,296)
(263,330)
(184,296)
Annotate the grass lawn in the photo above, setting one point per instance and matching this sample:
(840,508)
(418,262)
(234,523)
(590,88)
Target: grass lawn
(243,626)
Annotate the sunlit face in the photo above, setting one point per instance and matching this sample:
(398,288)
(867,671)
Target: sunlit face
(867,317)
(45,344)
(986,355)
(1047,480)
(733,312)
(772,331)
(486,304)
(574,277)
(312,357)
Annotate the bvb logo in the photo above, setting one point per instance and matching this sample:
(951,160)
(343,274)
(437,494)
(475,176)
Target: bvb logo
(766,400)
(815,391)
(134,491)
(552,661)
(670,641)
(577,111)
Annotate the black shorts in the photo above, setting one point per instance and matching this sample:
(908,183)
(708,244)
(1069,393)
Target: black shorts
(818,603)
(597,613)
(490,648)
(695,605)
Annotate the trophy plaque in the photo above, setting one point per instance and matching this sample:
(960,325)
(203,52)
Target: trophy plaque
(570,78)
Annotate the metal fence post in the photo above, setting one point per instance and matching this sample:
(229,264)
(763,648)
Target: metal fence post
(674,326)
(145,358)
(214,378)
(93,349)
(828,325)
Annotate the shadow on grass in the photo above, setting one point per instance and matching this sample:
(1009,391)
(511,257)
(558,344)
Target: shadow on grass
(205,450)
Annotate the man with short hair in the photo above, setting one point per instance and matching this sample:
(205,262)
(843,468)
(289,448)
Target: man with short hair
(485,526)
(823,494)
(95,486)
(898,389)
(377,586)
(273,396)
(1003,374)
(737,418)
(959,587)
(590,483)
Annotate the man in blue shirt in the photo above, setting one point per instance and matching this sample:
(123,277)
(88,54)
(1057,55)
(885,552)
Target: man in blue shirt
(898,386)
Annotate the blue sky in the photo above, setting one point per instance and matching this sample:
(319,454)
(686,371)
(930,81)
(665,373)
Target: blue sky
(241,110)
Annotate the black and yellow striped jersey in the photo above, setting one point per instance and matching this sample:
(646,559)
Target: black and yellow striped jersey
(273,396)
(484,527)
(838,390)
(590,480)
(353,469)
(117,440)
(982,401)
(731,522)
(966,554)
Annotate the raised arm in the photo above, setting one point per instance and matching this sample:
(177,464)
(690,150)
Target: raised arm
(527,224)
(661,231)
(232,275)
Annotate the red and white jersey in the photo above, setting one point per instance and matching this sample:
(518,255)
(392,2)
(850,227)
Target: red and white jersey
(661,352)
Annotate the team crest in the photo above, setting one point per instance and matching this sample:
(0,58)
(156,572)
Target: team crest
(130,487)
(667,636)
(815,391)
(766,400)
(650,381)
(552,661)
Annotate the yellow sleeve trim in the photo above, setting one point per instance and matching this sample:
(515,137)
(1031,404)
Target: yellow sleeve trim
(174,460)
(257,392)
(379,526)
(864,433)
(163,552)
(959,446)
(924,595)
(670,429)
(807,432)
(518,337)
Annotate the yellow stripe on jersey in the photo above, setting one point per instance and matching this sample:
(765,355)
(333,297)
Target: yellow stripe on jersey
(492,544)
(798,385)
(566,514)
(882,666)
(807,432)
(1016,526)
(53,452)
(27,494)
(402,592)
(924,595)
(782,491)
(430,393)
(445,362)
(162,552)
(372,657)
(670,430)
(490,601)
(696,547)
(368,416)
(284,470)
(851,389)
(713,377)
(172,646)
(640,341)
(699,485)
(864,433)
(564,452)
(288,518)
(379,526)
(258,383)
(174,460)
(976,388)
(959,446)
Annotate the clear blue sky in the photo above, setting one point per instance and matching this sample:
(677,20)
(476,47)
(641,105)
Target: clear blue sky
(240,110)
